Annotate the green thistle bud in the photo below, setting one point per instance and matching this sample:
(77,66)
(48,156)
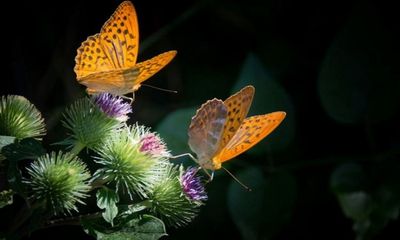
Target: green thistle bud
(170,202)
(89,125)
(20,118)
(124,165)
(61,180)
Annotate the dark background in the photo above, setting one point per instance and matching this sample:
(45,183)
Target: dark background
(333,66)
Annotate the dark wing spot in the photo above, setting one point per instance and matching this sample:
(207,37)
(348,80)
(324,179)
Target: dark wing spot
(90,58)
(122,24)
(114,36)
(124,18)
(97,50)
(126,31)
(119,30)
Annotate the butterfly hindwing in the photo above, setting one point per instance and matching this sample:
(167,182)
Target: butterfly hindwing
(250,132)
(150,67)
(118,81)
(119,36)
(206,128)
(238,106)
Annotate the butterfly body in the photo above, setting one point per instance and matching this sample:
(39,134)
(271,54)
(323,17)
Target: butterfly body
(106,62)
(220,130)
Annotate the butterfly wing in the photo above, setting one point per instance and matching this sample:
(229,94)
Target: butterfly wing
(238,106)
(117,82)
(252,130)
(150,67)
(119,36)
(91,58)
(205,130)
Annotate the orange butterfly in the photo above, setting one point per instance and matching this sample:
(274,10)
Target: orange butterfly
(106,62)
(220,130)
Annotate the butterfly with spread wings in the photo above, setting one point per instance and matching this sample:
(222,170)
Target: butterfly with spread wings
(220,130)
(106,62)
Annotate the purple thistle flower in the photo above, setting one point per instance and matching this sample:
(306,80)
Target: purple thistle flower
(113,106)
(152,144)
(192,186)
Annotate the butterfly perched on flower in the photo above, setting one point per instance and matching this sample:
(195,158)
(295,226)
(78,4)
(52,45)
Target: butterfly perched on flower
(220,130)
(106,62)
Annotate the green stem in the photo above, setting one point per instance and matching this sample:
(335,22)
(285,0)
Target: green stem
(77,148)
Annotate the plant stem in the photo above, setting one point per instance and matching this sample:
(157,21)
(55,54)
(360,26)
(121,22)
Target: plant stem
(77,148)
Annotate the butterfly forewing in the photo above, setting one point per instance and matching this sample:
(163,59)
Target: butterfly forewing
(252,130)
(150,67)
(206,128)
(238,106)
(90,58)
(119,36)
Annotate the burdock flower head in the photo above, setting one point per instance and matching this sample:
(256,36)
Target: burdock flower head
(19,118)
(125,166)
(113,106)
(60,180)
(152,144)
(192,185)
(174,199)
(91,125)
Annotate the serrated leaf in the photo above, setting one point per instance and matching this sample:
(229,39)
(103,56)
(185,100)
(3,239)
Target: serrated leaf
(261,213)
(28,148)
(6,198)
(107,199)
(145,228)
(6,140)
(269,96)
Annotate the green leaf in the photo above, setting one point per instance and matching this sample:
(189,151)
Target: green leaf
(358,80)
(173,129)
(6,198)
(262,213)
(107,199)
(269,96)
(144,228)
(25,149)
(4,141)
(356,205)
(348,177)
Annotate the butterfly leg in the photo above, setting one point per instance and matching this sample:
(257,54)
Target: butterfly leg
(183,155)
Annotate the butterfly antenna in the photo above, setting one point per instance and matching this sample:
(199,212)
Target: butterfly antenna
(161,89)
(237,180)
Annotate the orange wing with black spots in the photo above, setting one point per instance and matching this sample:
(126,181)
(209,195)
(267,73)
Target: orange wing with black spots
(219,131)
(106,62)
(250,132)
(238,106)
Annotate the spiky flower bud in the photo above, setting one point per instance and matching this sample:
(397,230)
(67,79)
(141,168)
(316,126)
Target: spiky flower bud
(112,106)
(89,125)
(60,180)
(20,118)
(125,165)
(169,200)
